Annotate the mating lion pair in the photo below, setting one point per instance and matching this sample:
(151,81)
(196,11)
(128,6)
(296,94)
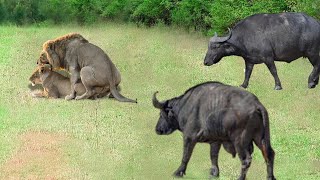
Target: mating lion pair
(92,73)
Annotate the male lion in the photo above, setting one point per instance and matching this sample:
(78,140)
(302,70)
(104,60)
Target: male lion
(85,62)
(58,86)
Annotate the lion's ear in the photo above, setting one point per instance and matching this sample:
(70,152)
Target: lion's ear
(41,69)
(47,66)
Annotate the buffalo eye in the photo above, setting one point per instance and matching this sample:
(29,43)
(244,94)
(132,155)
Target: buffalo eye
(215,46)
(227,46)
(170,115)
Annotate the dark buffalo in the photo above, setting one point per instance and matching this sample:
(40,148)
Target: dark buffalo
(218,114)
(265,38)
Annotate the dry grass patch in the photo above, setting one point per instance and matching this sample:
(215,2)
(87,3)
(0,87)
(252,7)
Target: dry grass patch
(40,156)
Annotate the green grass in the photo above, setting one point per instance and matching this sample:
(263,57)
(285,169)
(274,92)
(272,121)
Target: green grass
(112,140)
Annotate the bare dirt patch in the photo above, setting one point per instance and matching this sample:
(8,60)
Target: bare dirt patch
(40,156)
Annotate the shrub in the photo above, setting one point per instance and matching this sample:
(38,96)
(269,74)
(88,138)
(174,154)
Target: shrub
(3,12)
(55,10)
(206,15)
(117,9)
(192,13)
(84,11)
(226,13)
(310,7)
(150,12)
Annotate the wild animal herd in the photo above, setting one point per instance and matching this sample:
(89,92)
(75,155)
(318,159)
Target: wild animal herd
(211,112)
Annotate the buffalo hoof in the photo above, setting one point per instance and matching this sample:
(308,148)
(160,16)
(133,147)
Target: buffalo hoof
(271,178)
(179,173)
(244,85)
(214,172)
(277,87)
(311,85)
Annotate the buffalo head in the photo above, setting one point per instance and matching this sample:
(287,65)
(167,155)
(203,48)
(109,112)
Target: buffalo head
(167,122)
(217,49)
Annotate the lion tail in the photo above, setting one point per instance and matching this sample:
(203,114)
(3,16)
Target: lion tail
(116,94)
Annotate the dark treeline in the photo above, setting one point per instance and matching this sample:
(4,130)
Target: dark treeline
(200,15)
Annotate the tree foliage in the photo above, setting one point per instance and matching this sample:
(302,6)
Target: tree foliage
(201,15)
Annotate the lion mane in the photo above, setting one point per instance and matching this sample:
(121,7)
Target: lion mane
(54,51)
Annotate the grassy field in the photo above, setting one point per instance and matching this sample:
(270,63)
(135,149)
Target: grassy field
(106,139)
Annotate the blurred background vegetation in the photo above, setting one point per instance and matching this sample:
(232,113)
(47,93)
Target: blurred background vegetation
(206,16)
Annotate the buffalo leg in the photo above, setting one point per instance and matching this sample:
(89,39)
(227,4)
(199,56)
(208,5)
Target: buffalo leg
(245,158)
(245,164)
(248,72)
(314,76)
(214,153)
(272,68)
(188,145)
(268,155)
(243,145)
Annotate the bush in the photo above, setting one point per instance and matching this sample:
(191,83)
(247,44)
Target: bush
(206,15)
(117,9)
(3,12)
(55,10)
(226,13)
(150,12)
(192,14)
(19,14)
(310,7)
(84,11)
(19,11)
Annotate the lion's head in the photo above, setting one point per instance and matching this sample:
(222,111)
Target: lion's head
(54,51)
(35,77)
(43,59)
(41,69)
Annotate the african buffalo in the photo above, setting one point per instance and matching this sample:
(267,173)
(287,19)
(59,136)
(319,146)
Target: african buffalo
(218,114)
(265,38)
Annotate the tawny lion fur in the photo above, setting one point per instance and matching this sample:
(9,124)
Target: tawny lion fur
(58,86)
(85,62)
(59,45)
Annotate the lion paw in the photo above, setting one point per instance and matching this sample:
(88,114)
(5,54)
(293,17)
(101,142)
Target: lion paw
(69,97)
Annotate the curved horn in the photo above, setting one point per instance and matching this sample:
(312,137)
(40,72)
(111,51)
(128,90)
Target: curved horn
(223,39)
(156,103)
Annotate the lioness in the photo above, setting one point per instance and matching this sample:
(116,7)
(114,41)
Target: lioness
(85,62)
(58,86)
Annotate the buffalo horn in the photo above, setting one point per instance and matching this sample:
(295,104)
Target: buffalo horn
(156,103)
(223,39)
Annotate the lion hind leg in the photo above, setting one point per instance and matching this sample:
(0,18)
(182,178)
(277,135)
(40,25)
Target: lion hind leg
(86,95)
(88,81)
